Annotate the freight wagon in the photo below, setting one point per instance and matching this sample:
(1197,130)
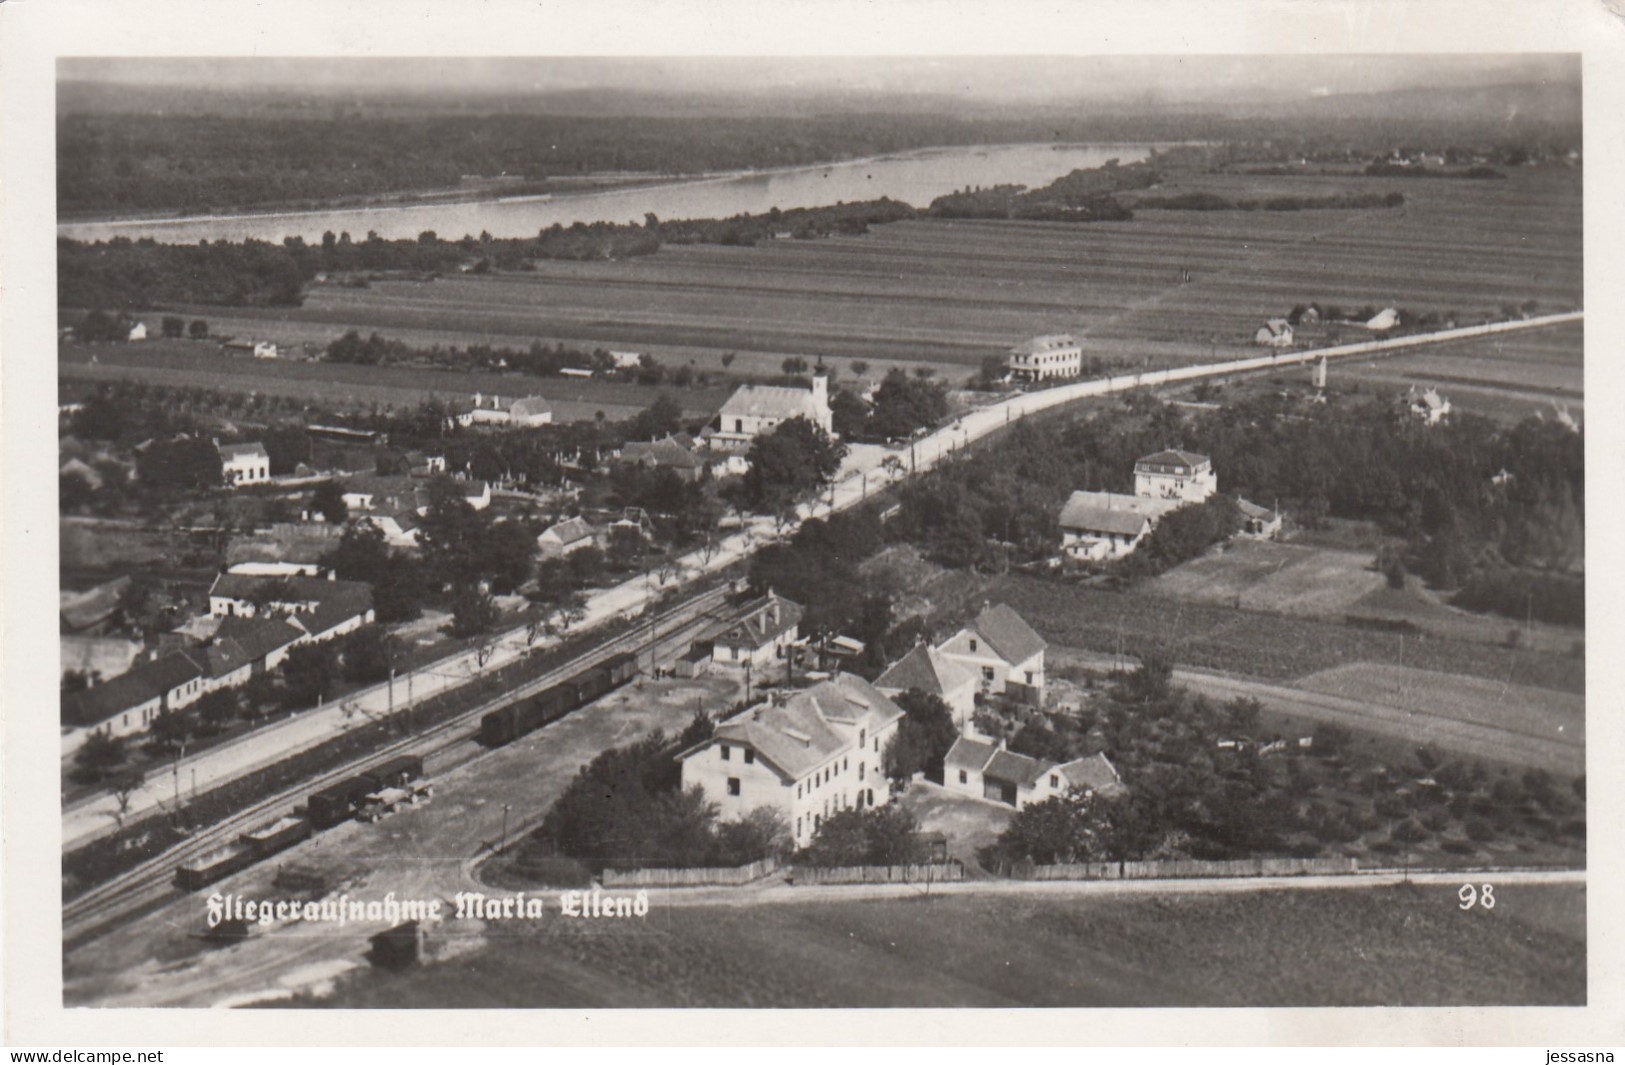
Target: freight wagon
(213,865)
(396,771)
(277,836)
(337,802)
(520,718)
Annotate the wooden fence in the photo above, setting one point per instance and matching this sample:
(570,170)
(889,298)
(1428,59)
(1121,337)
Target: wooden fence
(1190,868)
(731,877)
(933,873)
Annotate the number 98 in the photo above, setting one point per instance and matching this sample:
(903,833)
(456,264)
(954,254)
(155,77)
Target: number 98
(1471,896)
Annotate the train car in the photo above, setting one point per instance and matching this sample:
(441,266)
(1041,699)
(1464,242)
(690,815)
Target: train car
(396,771)
(277,836)
(336,803)
(622,668)
(530,715)
(500,726)
(553,704)
(214,865)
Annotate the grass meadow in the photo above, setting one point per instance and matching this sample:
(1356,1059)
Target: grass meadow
(1398,946)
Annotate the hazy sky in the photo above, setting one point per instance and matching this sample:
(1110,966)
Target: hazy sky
(1166,79)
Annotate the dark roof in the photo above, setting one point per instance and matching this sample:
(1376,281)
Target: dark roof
(925,669)
(257,637)
(299,589)
(171,671)
(1174,457)
(667,452)
(1112,512)
(223,657)
(968,754)
(763,622)
(103,701)
(1008,634)
(335,611)
(1017,768)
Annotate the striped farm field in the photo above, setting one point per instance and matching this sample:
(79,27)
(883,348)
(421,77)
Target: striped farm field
(189,364)
(1512,375)
(951,292)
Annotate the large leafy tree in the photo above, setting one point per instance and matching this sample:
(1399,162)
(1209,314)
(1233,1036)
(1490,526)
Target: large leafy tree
(879,835)
(1061,829)
(795,458)
(923,737)
(903,404)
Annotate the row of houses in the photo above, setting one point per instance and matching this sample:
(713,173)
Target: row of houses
(253,622)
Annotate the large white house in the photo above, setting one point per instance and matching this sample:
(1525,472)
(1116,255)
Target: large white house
(988,771)
(756,409)
(1101,526)
(1002,652)
(807,755)
(928,670)
(1044,357)
(1175,474)
(761,634)
(525,413)
(244,463)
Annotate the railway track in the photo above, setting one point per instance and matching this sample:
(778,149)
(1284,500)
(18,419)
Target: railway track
(447,745)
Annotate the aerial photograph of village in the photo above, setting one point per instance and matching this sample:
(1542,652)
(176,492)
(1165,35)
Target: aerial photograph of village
(825,532)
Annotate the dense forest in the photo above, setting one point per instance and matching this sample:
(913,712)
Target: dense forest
(192,163)
(1495,514)
(1081,196)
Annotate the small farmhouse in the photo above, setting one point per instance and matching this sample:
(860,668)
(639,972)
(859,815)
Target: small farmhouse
(676,452)
(807,755)
(1275,333)
(761,634)
(1258,523)
(1383,320)
(525,413)
(986,770)
(1045,357)
(756,409)
(928,670)
(244,463)
(1003,652)
(565,538)
(1101,526)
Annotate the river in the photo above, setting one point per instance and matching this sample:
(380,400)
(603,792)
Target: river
(914,177)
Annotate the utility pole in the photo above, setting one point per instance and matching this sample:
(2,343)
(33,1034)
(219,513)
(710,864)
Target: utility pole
(502,844)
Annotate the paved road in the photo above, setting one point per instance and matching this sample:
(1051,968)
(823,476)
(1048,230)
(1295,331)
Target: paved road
(865,470)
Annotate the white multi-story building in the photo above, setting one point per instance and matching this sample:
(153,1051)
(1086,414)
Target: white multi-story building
(808,755)
(1044,357)
(1175,474)
(756,409)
